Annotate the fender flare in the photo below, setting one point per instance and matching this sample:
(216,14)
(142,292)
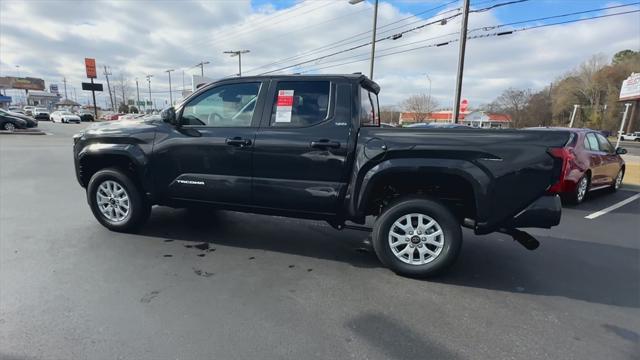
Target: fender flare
(478,179)
(129,151)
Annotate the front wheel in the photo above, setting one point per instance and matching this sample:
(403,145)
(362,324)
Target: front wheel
(8,127)
(417,237)
(617,182)
(116,201)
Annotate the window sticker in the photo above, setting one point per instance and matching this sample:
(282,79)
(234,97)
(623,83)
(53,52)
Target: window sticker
(284,106)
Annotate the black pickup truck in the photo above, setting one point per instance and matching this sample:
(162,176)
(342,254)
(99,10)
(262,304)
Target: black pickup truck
(312,147)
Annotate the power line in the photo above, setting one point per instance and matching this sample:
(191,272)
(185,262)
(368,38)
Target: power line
(339,43)
(395,36)
(495,34)
(361,45)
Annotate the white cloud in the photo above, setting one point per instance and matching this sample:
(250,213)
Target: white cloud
(135,38)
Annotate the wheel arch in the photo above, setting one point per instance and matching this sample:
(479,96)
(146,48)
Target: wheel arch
(440,179)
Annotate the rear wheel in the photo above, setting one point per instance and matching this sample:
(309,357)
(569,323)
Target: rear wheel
(417,237)
(580,192)
(116,201)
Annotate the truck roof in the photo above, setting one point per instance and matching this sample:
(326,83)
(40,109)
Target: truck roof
(355,77)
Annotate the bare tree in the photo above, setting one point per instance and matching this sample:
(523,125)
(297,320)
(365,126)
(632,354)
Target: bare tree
(389,115)
(122,89)
(420,105)
(513,102)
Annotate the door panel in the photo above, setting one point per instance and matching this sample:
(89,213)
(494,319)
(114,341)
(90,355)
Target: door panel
(209,157)
(611,165)
(597,164)
(299,161)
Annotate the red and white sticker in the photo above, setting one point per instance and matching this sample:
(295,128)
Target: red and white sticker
(284,106)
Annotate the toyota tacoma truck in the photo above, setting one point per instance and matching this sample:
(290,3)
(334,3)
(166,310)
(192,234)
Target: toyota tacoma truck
(312,147)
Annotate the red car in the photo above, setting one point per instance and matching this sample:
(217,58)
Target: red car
(590,162)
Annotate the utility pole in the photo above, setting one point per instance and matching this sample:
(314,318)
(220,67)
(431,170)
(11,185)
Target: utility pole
(463,46)
(624,119)
(202,64)
(238,53)
(573,114)
(373,35)
(75,97)
(149,81)
(170,94)
(64,80)
(137,96)
(124,101)
(106,75)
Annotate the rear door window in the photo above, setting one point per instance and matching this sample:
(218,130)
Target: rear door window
(300,103)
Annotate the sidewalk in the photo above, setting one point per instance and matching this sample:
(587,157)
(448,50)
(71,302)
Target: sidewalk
(632,173)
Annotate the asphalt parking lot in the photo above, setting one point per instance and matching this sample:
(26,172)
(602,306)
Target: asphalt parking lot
(224,285)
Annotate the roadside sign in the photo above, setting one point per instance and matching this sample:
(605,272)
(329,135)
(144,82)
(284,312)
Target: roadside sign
(91,86)
(53,88)
(130,102)
(464,105)
(630,89)
(141,103)
(90,66)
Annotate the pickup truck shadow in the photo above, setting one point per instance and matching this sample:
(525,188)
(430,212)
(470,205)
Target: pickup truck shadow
(592,272)
(291,236)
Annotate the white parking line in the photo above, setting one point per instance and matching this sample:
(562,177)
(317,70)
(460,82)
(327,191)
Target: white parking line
(612,207)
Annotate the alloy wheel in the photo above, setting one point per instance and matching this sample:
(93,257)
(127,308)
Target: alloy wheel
(582,188)
(416,239)
(9,127)
(113,201)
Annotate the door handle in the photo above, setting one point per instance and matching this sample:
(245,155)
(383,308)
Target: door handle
(323,144)
(238,141)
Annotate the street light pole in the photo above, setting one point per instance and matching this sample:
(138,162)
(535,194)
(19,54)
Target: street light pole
(202,64)
(237,53)
(170,94)
(149,81)
(463,46)
(373,35)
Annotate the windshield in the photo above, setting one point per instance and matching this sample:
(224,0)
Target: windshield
(65,113)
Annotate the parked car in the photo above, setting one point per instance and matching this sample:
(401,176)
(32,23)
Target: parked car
(41,113)
(64,116)
(11,123)
(312,147)
(85,116)
(631,136)
(31,122)
(589,162)
(16,109)
(28,110)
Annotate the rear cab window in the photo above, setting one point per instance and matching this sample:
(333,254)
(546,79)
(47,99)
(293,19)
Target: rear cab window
(369,108)
(301,103)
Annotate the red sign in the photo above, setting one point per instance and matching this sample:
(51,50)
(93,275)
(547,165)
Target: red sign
(90,66)
(284,98)
(464,105)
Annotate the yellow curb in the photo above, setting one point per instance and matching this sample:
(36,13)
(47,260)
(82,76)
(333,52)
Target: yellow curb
(632,174)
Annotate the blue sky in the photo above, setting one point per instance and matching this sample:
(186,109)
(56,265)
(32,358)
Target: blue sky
(521,11)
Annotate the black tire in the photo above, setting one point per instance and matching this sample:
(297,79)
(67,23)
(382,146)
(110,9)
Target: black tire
(615,186)
(445,219)
(574,197)
(9,126)
(139,208)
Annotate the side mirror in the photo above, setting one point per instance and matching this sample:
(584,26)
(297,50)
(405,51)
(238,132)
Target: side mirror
(168,115)
(621,151)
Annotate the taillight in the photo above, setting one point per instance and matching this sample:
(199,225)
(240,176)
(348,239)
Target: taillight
(562,157)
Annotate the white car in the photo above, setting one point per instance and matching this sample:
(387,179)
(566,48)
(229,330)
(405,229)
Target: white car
(28,110)
(64,117)
(40,113)
(632,136)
